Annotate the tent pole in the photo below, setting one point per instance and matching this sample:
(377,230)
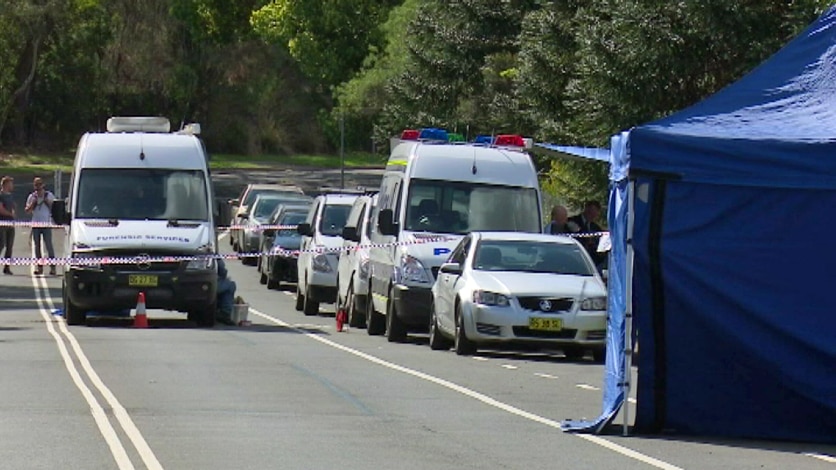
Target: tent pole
(627,379)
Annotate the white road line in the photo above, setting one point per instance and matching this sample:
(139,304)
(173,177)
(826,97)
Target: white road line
(480,358)
(545,376)
(587,387)
(509,366)
(823,457)
(99,415)
(477,396)
(122,416)
(223,235)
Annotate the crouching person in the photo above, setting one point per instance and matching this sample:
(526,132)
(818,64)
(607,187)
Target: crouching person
(226,294)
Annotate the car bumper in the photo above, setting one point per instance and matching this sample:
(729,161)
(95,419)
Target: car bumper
(283,269)
(507,324)
(413,305)
(183,291)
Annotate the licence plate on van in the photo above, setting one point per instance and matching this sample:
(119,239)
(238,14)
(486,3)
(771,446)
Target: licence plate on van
(142,280)
(545,324)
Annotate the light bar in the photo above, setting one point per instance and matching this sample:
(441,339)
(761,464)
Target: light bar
(509,140)
(138,124)
(410,134)
(431,133)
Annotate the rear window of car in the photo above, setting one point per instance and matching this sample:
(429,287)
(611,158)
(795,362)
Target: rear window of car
(333,219)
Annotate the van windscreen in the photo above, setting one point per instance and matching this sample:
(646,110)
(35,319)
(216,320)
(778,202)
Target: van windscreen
(142,194)
(462,207)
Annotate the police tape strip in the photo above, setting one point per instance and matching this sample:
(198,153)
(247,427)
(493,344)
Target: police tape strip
(136,260)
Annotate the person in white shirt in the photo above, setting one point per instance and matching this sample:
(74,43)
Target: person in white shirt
(39,204)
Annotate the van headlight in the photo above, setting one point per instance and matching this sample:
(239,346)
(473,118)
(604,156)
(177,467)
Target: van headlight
(594,303)
(413,271)
(86,261)
(201,264)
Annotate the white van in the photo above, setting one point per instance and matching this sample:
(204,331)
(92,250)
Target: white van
(319,252)
(141,192)
(431,190)
(353,267)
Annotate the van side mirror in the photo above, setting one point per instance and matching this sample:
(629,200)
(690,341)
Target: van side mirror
(304,229)
(450,268)
(59,212)
(234,202)
(386,222)
(350,233)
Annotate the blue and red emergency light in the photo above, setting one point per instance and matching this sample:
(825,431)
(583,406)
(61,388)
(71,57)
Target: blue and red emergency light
(441,135)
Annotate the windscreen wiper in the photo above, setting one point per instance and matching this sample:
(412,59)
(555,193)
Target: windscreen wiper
(177,223)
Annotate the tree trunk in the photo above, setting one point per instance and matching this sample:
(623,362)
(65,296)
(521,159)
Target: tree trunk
(27,65)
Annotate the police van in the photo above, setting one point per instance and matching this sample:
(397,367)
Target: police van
(142,196)
(433,192)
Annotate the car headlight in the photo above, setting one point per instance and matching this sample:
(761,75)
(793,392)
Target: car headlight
(363,270)
(321,264)
(412,270)
(87,260)
(594,303)
(490,298)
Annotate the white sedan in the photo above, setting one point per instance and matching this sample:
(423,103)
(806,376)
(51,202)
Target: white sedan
(503,287)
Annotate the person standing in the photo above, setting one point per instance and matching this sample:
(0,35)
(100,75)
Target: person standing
(587,222)
(560,222)
(7,213)
(39,204)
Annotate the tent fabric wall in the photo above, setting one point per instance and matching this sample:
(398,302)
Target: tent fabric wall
(731,286)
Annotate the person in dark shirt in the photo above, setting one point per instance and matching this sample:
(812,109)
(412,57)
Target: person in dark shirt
(7,212)
(587,223)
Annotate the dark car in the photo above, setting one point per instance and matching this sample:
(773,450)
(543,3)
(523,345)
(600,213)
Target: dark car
(279,252)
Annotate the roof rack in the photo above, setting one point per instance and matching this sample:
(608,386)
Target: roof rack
(138,124)
(331,190)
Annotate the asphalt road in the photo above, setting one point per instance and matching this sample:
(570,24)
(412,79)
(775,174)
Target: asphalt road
(291,392)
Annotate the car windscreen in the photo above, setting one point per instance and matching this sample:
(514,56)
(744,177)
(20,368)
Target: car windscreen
(263,208)
(142,194)
(334,217)
(288,219)
(532,257)
(250,198)
(463,207)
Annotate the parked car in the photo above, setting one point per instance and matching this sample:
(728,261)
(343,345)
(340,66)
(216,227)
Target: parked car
(257,215)
(501,287)
(353,266)
(279,252)
(321,239)
(239,205)
(303,204)
(249,240)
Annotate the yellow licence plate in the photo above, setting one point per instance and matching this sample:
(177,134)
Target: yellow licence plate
(545,324)
(142,280)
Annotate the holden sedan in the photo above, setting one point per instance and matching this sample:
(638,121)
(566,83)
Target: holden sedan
(505,287)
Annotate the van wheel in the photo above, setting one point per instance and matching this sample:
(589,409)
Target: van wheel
(262,279)
(300,299)
(437,341)
(375,322)
(462,345)
(204,317)
(272,283)
(395,329)
(72,314)
(311,307)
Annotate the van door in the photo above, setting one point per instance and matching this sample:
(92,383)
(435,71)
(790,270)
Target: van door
(305,260)
(383,257)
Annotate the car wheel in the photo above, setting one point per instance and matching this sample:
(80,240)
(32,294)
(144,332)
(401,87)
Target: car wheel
(462,344)
(272,283)
(375,322)
(395,329)
(72,314)
(311,307)
(437,340)
(300,299)
(599,355)
(355,318)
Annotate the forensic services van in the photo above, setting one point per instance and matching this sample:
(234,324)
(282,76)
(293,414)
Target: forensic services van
(141,196)
(433,192)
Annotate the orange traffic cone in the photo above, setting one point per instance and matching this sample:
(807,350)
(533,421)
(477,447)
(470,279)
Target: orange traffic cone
(140,320)
(341,319)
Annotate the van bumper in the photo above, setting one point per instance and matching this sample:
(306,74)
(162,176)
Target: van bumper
(412,305)
(104,290)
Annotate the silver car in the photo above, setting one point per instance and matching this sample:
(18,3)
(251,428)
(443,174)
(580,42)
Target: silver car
(503,287)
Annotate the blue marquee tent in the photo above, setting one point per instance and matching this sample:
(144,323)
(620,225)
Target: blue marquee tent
(722,252)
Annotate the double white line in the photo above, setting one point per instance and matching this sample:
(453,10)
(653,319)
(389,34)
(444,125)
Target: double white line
(46,306)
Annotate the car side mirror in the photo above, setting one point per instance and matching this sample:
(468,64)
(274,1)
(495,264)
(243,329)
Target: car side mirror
(386,222)
(234,202)
(244,215)
(304,229)
(451,268)
(269,232)
(350,233)
(59,212)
